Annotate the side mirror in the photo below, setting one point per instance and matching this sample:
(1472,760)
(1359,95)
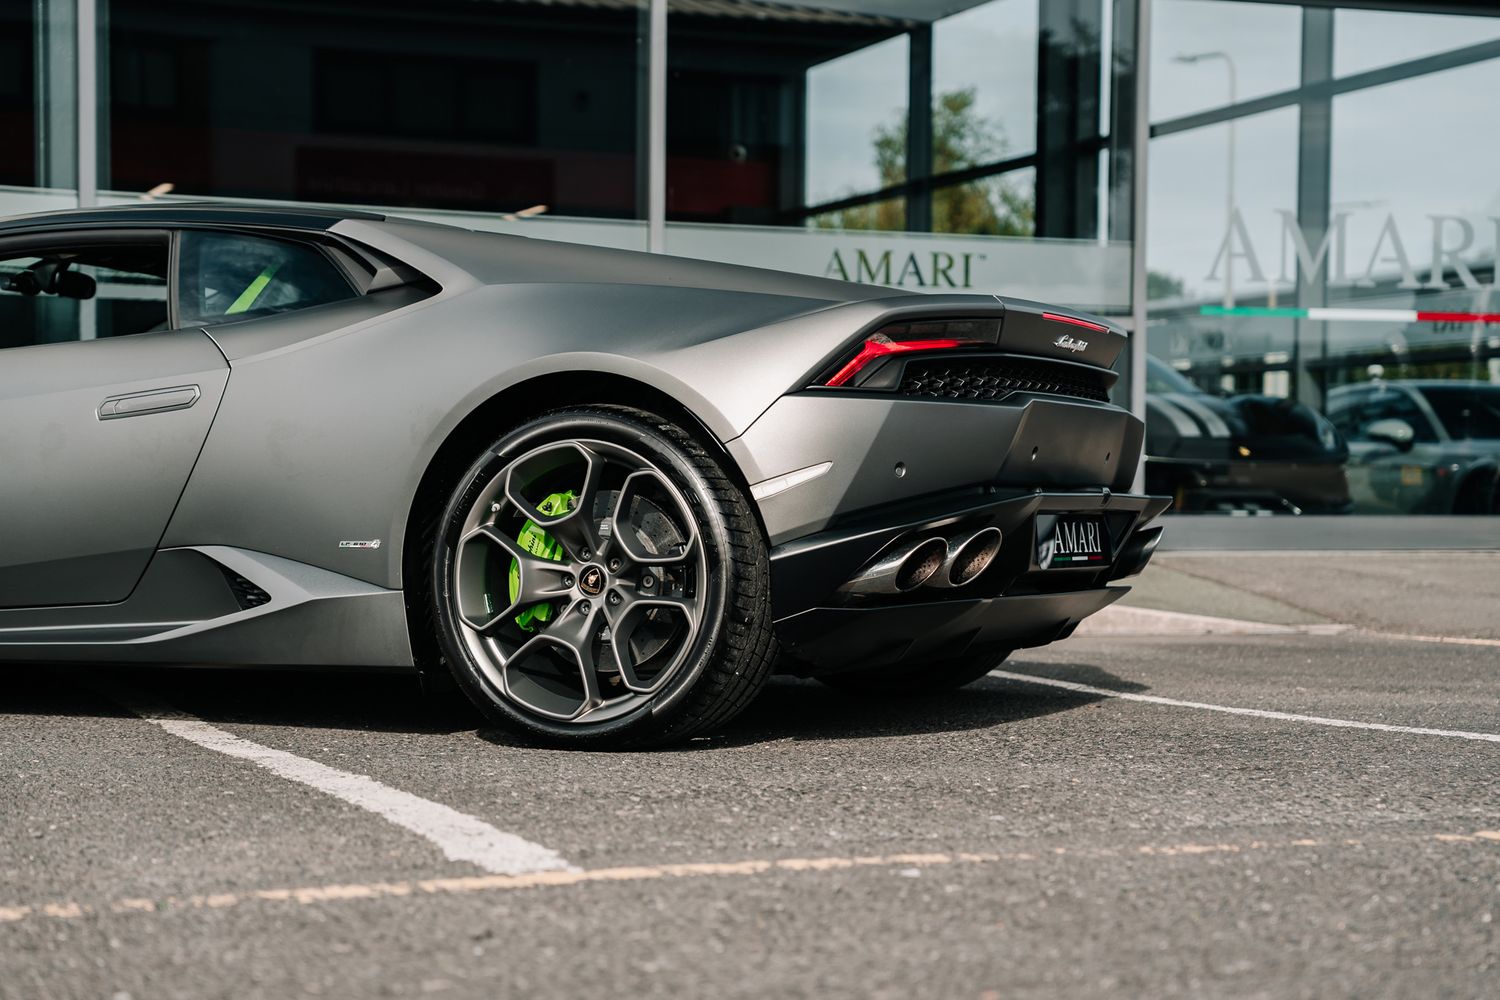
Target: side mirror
(1392,431)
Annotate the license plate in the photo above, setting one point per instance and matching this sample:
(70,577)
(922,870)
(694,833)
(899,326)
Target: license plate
(1067,541)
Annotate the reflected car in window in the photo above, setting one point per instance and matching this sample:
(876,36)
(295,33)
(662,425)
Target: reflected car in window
(1421,447)
(1242,454)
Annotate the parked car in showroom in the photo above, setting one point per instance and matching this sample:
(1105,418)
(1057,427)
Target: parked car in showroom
(1240,454)
(1421,446)
(606,492)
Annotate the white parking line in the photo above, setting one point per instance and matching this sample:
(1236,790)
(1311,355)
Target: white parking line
(459,836)
(1259,713)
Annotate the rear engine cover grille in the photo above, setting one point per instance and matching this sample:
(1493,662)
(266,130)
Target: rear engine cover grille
(993,378)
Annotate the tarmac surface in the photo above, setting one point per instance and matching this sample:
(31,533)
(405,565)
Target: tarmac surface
(1295,810)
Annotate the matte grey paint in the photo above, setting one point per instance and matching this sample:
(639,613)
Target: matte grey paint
(84,501)
(333,415)
(866,437)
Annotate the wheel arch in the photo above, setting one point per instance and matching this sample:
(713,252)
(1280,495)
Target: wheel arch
(479,428)
(1471,488)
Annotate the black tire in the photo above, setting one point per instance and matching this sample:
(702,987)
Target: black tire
(1479,494)
(721,664)
(907,680)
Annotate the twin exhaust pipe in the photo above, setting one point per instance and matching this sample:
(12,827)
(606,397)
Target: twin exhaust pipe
(933,562)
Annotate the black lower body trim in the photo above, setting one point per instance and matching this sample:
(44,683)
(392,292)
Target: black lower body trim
(827,640)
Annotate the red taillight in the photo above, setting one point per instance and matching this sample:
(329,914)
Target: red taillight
(880,346)
(1075,321)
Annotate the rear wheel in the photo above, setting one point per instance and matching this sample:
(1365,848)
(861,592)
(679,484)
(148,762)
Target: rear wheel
(916,679)
(1479,494)
(597,580)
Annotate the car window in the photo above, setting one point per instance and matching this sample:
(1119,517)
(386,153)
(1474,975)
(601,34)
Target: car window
(57,294)
(1467,411)
(226,277)
(1160,379)
(1388,403)
(1344,410)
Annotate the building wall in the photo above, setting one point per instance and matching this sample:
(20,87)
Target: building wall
(929,144)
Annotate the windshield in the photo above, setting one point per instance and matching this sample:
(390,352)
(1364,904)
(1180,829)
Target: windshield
(1160,379)
(1471,411)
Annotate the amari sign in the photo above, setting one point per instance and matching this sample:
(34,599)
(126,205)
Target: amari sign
(884,268)
(1444,243)
(1084,274)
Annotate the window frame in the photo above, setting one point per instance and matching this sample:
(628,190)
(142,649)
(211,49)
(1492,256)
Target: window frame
(333,251)
(60,239)
(363,268)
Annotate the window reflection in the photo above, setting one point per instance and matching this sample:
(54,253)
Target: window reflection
(1367,39)
(443,105)
(802,116)
(856,122)
(18,154)
(1340,266)
(1261,40)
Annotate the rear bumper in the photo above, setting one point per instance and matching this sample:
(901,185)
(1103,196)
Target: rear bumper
(1012,604)
(881,449)
(827,640)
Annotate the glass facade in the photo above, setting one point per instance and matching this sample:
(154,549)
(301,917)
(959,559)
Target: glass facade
(927,144)
(1323,222)
(451,104)
(1320,213)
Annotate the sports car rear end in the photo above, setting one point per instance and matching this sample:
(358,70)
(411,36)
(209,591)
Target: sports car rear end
(952,483)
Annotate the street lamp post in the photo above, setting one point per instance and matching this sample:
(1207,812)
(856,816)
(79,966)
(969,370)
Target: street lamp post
(1229,186)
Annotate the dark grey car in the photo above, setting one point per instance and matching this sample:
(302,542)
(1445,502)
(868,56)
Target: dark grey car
(606,492)
(1421,446)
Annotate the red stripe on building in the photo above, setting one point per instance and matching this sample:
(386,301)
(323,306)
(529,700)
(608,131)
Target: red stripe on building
(1442,317)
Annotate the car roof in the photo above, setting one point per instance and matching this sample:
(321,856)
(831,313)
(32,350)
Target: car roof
(187,213)
(1416,383)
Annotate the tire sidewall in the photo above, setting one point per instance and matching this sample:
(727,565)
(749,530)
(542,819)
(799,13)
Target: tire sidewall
(620,427)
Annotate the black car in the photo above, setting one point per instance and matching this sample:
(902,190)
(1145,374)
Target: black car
(1240,454)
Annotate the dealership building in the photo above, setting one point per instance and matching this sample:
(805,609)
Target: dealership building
(1294,207)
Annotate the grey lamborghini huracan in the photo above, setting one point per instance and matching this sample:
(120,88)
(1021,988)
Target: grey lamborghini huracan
(607,493)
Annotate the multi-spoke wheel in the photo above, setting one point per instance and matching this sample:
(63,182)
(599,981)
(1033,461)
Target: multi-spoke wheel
(598,579)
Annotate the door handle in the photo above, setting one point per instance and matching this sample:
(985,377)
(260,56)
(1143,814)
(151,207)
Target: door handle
(133,404)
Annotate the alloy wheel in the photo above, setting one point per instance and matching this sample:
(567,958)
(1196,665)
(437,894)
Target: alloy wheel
(579,581)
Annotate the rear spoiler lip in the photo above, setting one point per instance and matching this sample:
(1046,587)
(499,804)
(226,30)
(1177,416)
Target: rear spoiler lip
(1050,331)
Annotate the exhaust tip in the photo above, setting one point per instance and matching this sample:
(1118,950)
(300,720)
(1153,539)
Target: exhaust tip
(921,564)
(973,557)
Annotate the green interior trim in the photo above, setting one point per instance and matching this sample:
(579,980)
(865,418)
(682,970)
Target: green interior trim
(252,291)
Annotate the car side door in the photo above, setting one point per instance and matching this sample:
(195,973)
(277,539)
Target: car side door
(104,407)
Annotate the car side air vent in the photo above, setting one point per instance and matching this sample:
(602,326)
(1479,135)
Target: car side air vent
(987,378)
(246,593)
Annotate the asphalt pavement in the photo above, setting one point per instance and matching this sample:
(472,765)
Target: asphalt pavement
(1300,810)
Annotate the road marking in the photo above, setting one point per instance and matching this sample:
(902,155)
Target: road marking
(1259,713)
(1128,620)
(459,836)
(1121,620)
(904,864)
(1454,640)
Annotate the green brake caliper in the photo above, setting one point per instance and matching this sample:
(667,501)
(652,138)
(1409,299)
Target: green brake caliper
(538,542)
